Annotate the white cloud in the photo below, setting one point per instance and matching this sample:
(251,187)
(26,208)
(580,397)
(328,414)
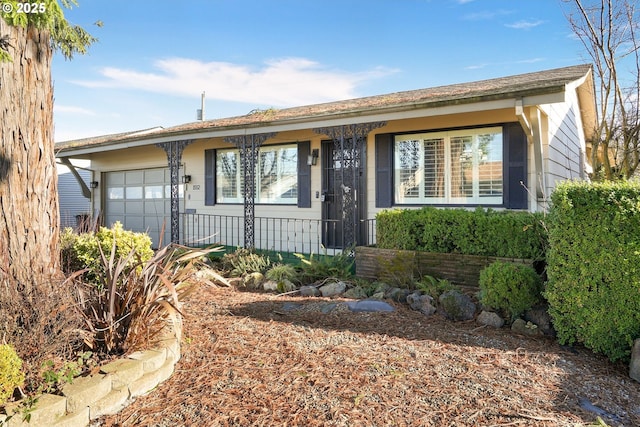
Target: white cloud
(524,25)
(282,82)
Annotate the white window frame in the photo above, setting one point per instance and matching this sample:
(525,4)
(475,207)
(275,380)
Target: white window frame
(260,197)
(400,196)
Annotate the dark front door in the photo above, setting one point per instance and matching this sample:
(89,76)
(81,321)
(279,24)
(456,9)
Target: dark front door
(342,194)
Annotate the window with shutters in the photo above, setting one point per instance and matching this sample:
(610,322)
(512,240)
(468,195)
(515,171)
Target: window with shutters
(276,175)
(454,167)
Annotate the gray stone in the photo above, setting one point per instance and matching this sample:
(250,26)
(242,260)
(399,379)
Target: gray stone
(457,306)
(309,291)
(489,318)
(634,366)
(356,293)
(291,306)
(398,294)
(539,315)
(333,289)
(328,308)
(421,303)
(378,295)
(270,285)
(369,306)
(523,327)
(380,287)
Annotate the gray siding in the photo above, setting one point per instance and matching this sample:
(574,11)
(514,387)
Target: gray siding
(70,197)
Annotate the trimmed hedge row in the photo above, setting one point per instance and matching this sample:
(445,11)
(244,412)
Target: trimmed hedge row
(593,265)
(480,232)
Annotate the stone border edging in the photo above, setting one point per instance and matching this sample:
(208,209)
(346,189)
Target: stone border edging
(106,393)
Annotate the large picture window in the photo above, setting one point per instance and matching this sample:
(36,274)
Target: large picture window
(276,175)
(455,167)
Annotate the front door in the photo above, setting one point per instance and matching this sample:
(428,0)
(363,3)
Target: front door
(342,193)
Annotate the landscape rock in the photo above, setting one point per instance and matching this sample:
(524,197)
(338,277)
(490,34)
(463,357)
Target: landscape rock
(368,305)
(291,306)
(309,291)
(270,285)
(421,303)
(539,315)
(523,327)
(398,294)
(489,318)
(253,280)
(328,308)
(333,289)
(457,306)
(378,295)
(634,366)
(356,293)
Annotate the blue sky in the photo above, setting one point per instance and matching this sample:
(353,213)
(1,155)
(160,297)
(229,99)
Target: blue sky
(154,58)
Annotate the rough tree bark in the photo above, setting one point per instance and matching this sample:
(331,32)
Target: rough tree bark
(29,248)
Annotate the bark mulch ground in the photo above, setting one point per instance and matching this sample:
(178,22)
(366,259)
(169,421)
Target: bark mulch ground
(249,359)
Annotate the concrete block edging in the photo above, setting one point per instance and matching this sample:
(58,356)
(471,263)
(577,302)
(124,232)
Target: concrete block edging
(107,392)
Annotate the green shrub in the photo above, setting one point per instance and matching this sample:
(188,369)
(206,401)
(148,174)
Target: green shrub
(281,272)
(83,250)
(435,287)
(245,261)
(480,232)
(594,265)
(11,375)
(339,266)
(510,288)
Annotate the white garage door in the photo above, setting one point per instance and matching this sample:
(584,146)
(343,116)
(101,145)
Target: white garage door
(141,201)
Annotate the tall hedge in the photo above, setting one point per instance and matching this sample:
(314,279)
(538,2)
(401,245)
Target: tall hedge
(479,232)
(593,265)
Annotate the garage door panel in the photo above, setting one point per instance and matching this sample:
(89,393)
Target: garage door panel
(155,176)
(115,178)
(141,201)
(134,207)
(156,208)
(135,223)
(134,178)
(116,207)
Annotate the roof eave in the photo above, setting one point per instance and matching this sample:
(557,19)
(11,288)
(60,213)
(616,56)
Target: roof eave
(387,112)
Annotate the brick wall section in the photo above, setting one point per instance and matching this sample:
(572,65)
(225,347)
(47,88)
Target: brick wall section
(105,393)
(459,269)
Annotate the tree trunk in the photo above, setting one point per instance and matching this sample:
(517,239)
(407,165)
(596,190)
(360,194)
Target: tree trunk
(29,247)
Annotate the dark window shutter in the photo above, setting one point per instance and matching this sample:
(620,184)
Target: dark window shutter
(304,175)
(384,170)
(515,169)
(209,177)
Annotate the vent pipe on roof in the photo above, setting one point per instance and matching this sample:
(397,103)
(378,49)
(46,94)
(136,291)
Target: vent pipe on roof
(200,112)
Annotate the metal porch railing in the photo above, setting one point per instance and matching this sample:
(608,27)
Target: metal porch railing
(292,235)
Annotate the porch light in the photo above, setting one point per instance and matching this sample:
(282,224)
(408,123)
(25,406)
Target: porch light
(312,159)
(93,184)
(186,179)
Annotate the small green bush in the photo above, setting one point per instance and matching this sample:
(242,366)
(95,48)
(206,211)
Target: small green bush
(245,261)
(594,265)
(83,250)
(11,375)
(479,232)
(339,266)
(281,272)
(435,287)
(510,288)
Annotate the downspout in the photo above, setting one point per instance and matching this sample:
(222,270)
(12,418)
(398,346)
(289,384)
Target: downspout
(83,185)
(531,126)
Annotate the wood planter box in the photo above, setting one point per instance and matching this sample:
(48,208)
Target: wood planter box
(374,263)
